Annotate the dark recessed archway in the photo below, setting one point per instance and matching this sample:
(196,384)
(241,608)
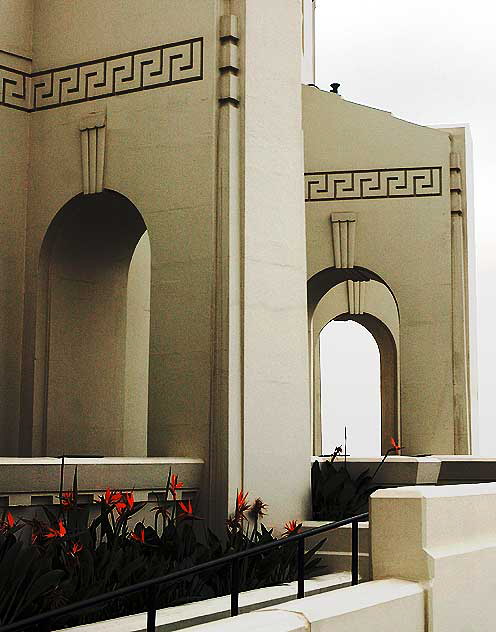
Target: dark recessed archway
(84,313)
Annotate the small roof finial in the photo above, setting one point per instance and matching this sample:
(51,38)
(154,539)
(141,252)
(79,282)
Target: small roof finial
(334,87)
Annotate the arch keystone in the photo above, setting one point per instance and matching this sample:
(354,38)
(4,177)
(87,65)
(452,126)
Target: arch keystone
(343,227)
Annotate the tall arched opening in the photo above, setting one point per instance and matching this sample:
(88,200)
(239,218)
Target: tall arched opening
(361,296)
(350,389)
(91,368)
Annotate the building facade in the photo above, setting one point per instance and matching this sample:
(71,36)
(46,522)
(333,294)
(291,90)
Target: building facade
(179,220)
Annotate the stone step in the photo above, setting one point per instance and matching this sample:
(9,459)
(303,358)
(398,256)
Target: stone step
(340,562)
(339,539)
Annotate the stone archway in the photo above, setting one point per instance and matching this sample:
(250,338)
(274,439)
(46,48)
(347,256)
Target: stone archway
(369,302)
(92,337)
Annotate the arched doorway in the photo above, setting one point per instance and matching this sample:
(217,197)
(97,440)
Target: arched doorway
(350,389)
(91,371)
(361,296)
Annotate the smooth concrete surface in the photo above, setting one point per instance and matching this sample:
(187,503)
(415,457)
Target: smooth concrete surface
(383,606)
(202,612)
(444,538)
(276,406)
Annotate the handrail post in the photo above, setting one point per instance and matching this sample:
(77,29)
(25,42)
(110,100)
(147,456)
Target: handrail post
(354,553)
(151,609)
(301,568)
(235,587)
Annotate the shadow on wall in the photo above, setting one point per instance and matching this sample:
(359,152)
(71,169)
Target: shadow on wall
(92,347)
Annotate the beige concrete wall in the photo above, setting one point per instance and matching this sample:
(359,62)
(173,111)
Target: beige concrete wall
(87,360)
(444,538)
(160,153)
(274,353)
(15,37)
(16,17)
(137,351)
(308,35)
(406,241)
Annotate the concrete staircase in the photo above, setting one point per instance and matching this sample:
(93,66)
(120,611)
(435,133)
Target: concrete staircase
(335,554)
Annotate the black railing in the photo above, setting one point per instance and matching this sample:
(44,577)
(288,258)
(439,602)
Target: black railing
(42,621)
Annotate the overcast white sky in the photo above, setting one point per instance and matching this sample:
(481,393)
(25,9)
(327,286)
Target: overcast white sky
(430,62)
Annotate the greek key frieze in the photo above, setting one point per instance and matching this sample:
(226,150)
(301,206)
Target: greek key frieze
(15,89)
(373,183)
(165,65)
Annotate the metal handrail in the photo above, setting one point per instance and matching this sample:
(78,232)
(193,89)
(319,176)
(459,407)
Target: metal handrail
(151,585)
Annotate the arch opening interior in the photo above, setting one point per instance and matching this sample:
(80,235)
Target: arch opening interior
(94,328)
(350,389)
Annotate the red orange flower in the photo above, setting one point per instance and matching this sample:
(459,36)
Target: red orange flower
(139,533)
(125,503)
(76,548)
(68,499)
(7,523)
(292,527)
(56,533)
(187,509)
(174,485)
(396,447)
(112,497)
(242,504)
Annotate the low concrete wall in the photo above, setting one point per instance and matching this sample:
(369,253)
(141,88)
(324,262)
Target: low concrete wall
(445,538)
(383,606)
(394,471)
(202,612)
(24,480)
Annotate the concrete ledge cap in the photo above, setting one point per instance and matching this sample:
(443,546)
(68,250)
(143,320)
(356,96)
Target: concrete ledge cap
(378,459)
(431,491)
(465,457)
(353,598)
(262,621)
(105,460)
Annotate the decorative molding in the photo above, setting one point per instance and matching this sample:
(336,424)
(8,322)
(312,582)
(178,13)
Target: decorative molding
(343,227)
(16,55)
(15,89)
(366,184)
(156,67)
(229,60)
(456,183)
(92,130)
(356,296)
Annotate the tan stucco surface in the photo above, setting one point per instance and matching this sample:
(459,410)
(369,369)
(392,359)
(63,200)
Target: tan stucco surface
(404,240)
